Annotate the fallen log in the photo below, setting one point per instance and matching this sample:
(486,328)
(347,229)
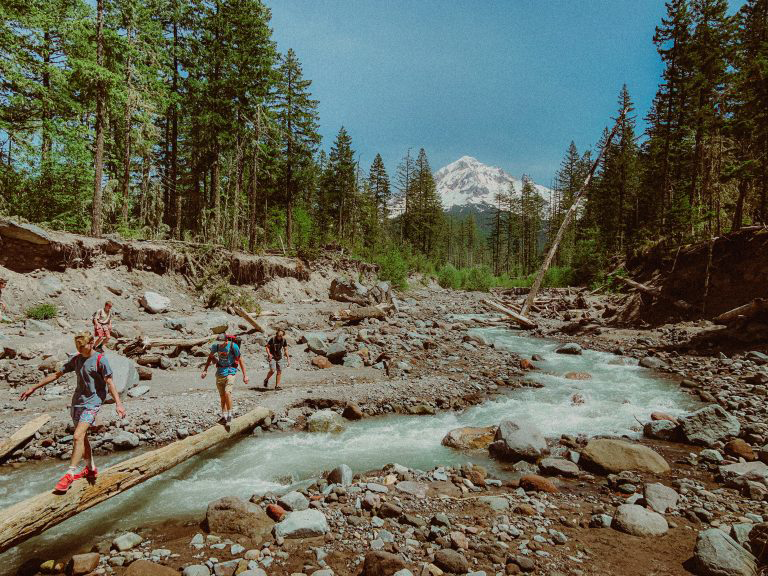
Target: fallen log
(353,315)
(749,310)
(152,360)
(39,513)
(248,318)
(22,435)
(655,292)
(518,318)
(141,345)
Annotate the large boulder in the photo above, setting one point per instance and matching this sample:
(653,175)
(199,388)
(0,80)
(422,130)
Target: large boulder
(660,497)
(154,303)
(336,352)
(125,440)
(380,563)
(661,430)
(346,290)
(639,521)
(717,554)
(750,470)
(469,438)
(558,467)
(317,342)
(758,541)
(614,456)
(302,524)
(708,425)
(125,373)
(325,421)
(231,515)
(293,501)
(451,561)
(83,563)
(518,440)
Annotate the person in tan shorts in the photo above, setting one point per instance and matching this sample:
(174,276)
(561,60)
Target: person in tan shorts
(227,356)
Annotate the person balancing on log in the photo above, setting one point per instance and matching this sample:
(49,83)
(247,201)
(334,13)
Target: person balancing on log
(94,379)
(227,356)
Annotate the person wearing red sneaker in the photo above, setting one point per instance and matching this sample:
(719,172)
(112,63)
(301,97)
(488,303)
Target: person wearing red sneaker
(94,379)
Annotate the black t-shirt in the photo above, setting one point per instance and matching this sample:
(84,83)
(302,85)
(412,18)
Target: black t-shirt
(276,347)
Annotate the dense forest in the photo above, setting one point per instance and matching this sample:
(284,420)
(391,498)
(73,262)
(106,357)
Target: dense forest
(180,119)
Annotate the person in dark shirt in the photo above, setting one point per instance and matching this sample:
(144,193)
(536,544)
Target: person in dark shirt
(277,354)
(94,381)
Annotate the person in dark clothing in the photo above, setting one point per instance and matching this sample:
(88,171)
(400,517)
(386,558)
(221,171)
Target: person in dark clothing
(277,354)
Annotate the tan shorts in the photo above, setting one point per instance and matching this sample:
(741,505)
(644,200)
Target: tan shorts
(225,383)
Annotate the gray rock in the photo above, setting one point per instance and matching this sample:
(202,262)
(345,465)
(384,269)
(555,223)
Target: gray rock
(302,524)
(740,532)
(558,466)
(124,440)
(652,362)
(37,326)
(708,425)
(717,554)
(316,342)
(417,489)
(326,421)
(659,497)
(661,430)
(518,439)
(138,391)
(497,503)
(154,303)
(638,521)
(125,374)
(353,361)
(127,541)
(294,501)
(51,285)
(750,470)
(196,570)
(341,475)
(569,348)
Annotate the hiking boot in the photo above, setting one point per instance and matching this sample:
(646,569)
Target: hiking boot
(65,482)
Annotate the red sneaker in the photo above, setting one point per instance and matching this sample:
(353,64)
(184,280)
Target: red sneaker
(65,482)
(87,473)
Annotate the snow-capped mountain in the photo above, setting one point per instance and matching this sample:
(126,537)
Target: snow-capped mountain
(467,182)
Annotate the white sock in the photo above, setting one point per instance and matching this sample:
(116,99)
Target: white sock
(72,470)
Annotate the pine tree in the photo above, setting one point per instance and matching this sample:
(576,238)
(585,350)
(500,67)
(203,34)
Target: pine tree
(378,181)
(297,119)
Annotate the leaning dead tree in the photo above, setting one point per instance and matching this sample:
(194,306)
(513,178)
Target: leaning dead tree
(39,513)
(569,215)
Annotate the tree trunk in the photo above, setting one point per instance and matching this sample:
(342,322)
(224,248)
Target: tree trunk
(127,126)
(100,105)
(39,513)
(175,193)
(252,186)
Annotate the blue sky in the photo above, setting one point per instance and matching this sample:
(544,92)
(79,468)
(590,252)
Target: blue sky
(510,82)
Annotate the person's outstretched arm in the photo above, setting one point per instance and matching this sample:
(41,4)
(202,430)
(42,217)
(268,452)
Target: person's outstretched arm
(47,380)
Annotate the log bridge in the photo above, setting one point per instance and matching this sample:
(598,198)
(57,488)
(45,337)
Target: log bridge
(39,513)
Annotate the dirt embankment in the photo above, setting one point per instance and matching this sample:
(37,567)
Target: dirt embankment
(713,277)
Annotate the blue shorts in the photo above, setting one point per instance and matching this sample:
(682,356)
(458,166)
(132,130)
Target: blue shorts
(84,414)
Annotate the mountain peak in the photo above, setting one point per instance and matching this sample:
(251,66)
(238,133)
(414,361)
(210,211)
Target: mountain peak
(468,181)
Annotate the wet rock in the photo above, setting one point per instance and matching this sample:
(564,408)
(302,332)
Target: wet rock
(154,303)
(293,501)
(661,430)
(352,412)
(638,521)
(740,449)
(570,348)
(83,563)
(518,439)
(302,524)
(709,425)
(321,362)
(341,475)
(127,541)
(124,440)
(615,456)
(451,561)
(717,554)
(379,563)
(325,421)
(535,483)
(660,497)
(469,438)
(578,376)
(231,515)
(652,362)
(558,466)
